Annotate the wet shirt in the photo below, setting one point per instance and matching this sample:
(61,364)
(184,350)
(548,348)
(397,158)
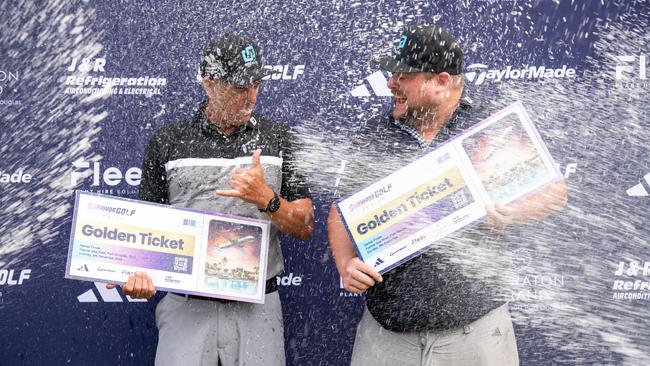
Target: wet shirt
(456,281)
(186,162)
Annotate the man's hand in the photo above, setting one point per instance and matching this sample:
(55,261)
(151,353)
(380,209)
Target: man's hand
(500,216)
(138,286)
(529,209)
(249,184)
(358,276)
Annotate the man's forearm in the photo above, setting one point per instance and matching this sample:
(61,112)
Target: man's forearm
(295,218)
(338,240)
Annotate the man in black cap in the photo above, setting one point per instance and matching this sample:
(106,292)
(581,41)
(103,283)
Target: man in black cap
(443,307)
(229,160)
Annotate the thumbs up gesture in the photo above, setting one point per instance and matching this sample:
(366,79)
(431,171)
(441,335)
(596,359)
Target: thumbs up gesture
(249,184)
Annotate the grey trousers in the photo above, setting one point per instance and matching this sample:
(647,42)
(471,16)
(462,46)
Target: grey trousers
(489,341)
(200,332)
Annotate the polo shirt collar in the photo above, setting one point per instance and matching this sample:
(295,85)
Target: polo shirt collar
(210,128)
(449,129)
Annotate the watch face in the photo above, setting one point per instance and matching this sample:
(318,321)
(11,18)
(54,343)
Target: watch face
(274,204)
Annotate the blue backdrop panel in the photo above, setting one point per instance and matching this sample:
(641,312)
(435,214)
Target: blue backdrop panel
(57,136)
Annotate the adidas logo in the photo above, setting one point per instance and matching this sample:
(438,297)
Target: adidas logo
(83,268)
(642,189)
(378,84)
(497,333)
(379,262)
(107,295)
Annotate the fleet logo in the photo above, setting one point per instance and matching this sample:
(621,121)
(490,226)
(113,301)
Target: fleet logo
(7,79)
(12,277)
(87,77)
(285,72)
(17,177)
(106,295)
(289,280)
(632,281)
(378,83)
(642,189)
(628,75)
(479,73)
(111,176)
(248,54)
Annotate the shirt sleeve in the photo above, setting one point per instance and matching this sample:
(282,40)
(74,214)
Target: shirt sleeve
(294,180)
(153,184)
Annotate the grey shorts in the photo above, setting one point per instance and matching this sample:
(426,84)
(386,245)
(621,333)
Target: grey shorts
(193,332)
(489,341)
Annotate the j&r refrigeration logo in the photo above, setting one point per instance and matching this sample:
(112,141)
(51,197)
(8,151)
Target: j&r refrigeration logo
(480,74)
(87,76)
(105,180)
(632,281)
(9,88)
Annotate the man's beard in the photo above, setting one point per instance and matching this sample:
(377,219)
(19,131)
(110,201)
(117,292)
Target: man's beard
(416,117)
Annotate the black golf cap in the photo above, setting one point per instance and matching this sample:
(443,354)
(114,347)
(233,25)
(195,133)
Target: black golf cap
(425,49)
(234,59)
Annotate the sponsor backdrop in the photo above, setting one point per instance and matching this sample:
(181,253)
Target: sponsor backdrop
(84,84)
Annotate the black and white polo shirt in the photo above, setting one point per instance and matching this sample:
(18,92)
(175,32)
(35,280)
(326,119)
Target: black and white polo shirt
(187,161)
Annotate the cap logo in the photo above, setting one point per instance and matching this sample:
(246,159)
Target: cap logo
(248,54)
(400,45)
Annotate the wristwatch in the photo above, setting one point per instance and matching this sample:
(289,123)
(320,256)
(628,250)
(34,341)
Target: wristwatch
(273,205)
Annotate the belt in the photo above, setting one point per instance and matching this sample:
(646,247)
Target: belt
(271,286)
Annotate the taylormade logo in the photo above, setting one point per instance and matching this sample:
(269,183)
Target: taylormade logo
(106,295)
(378,83)
(642,189)
(479,73)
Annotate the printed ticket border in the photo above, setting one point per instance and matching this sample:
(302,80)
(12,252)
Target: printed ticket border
(529,127)
(199,246)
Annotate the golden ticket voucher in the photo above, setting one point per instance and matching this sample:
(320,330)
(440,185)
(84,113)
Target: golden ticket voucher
(184,251)
(499,160)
